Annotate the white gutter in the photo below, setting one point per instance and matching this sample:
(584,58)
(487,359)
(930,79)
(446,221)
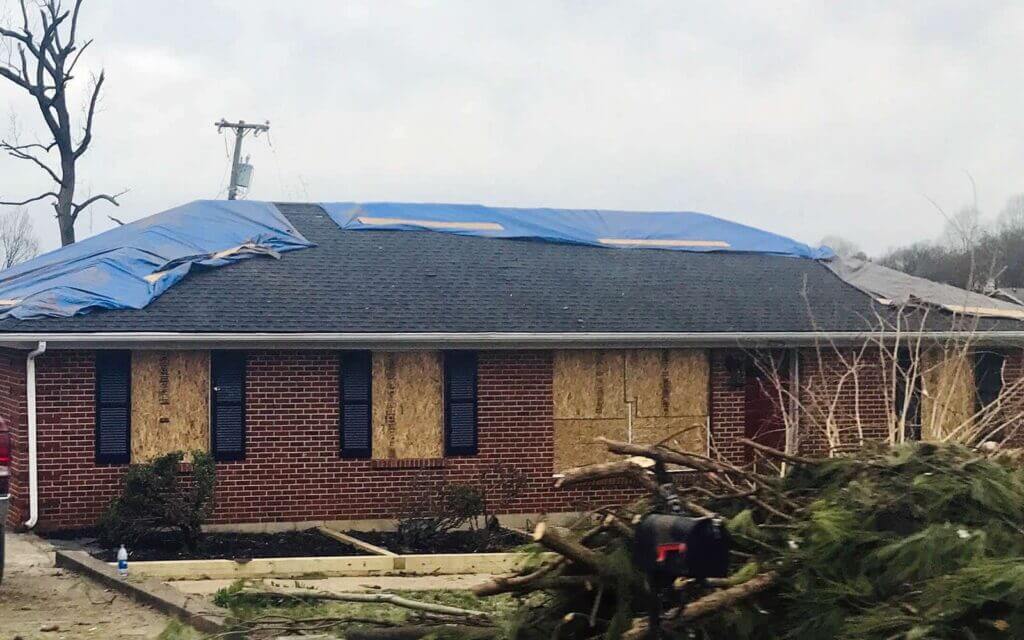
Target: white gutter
(33,451)
(485,340)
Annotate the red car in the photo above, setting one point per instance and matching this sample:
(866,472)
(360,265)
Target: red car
(5,461)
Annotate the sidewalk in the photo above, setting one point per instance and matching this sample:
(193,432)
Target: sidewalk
(38,601)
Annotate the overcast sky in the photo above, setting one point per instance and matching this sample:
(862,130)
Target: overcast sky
(806,119)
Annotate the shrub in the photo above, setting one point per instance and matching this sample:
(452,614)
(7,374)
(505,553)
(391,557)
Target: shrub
(158,496)
(435,512)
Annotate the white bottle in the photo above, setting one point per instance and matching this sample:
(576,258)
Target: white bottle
(122,562)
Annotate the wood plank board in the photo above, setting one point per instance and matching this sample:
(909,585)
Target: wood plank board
(170,403)
(407,415)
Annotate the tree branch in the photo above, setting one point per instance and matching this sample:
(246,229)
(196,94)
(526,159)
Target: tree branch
(28,201)
(87,137)
(19,152)
(112,199)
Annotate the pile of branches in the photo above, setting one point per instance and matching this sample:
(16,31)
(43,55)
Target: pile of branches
(916,541)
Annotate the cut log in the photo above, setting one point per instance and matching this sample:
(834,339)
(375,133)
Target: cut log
(602,471)
(571,549)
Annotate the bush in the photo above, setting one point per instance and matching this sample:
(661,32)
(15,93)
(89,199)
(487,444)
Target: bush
(157,496)
(436,512)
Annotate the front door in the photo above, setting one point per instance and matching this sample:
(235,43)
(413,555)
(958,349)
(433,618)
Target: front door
(765,422)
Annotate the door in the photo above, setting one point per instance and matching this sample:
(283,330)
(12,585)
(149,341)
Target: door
(764,404)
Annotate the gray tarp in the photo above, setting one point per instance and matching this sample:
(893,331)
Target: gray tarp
(892,287)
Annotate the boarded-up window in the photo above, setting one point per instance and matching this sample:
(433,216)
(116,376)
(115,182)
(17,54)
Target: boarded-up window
(407,405)
(356,386)
(460,428)
(170,403)
(643,395)
(227,406)
(947,393)
(113,402)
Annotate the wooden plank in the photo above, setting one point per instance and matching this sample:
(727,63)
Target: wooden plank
(574,440)
(668,382)
(407,405)
(355,542)
(587,383)
(170,403)
(947,392)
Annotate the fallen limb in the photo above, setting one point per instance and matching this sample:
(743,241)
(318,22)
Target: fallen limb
(571,549)
(382,598)
(602,471)
(709,604)
(775,453)
(417,632)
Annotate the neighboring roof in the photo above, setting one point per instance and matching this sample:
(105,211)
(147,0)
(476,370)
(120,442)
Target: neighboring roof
(395,282)
(892,287)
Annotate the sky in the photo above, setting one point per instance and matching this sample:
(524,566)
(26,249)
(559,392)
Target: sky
(804,118)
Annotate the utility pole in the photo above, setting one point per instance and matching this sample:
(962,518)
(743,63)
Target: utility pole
(241,128)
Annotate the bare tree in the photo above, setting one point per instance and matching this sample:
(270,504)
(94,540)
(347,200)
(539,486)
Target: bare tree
(41,58)
(18,240)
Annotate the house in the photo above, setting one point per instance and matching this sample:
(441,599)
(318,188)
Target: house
(379,355)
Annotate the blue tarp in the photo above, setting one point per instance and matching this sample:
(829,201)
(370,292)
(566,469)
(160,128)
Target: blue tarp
(680,231)
(128,267)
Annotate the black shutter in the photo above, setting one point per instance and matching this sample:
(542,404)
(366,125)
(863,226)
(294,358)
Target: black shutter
(113,407)
(227,405)
(460,431)
(988,376)
(356,381)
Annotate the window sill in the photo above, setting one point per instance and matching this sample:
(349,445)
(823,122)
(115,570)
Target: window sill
(410,463)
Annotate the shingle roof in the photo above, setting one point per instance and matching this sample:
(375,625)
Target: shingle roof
(409,282)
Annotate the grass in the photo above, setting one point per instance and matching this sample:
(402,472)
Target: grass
(245,607)
(178,631)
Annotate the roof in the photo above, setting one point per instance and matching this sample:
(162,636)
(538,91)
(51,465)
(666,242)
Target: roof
(396,282)
(393,282)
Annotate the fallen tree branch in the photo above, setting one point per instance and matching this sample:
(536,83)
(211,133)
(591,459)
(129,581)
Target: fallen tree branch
(602,471)
(707,605)
(775,453)
(571,549)
(382,598)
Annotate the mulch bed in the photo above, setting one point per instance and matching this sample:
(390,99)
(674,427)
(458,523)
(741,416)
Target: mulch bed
(480,541)
(228,546)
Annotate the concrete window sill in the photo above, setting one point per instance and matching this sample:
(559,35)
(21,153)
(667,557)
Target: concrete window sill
(411,463)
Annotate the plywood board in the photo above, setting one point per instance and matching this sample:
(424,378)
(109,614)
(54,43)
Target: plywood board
(596,392)
(947,393)
(588,384)
(667,382)
(407,405)
(170,403)
(574,440)
(687,433)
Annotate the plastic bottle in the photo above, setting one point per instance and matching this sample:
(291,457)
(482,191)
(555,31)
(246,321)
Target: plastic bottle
(122,562)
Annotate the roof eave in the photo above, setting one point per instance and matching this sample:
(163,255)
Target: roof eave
(480,340)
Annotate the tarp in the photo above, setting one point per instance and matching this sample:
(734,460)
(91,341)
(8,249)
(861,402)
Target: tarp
(128,267)
(680,231)
(895,288)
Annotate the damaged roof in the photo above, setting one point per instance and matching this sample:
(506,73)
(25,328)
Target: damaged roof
(376,281)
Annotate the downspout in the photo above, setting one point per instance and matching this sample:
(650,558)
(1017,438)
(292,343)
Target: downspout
(33,451)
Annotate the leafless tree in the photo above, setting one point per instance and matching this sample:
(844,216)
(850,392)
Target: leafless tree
(18,240)
(42,54)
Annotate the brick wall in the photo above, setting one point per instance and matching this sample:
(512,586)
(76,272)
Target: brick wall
(292,469)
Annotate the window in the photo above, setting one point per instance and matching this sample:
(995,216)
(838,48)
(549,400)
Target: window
(905,368)
(460,429)
(988,376)
(356,388)
(227,405)
(113,407)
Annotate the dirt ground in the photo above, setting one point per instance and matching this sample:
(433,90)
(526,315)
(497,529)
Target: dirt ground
(38,601)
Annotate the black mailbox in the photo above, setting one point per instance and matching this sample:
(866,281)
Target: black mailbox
(671,546)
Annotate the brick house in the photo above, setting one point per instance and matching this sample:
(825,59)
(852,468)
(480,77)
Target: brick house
(340,381)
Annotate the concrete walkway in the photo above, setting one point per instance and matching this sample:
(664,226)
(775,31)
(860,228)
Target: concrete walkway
(347,585)
(38,601)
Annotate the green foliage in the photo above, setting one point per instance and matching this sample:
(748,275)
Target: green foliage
(919,541)
(158,496)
